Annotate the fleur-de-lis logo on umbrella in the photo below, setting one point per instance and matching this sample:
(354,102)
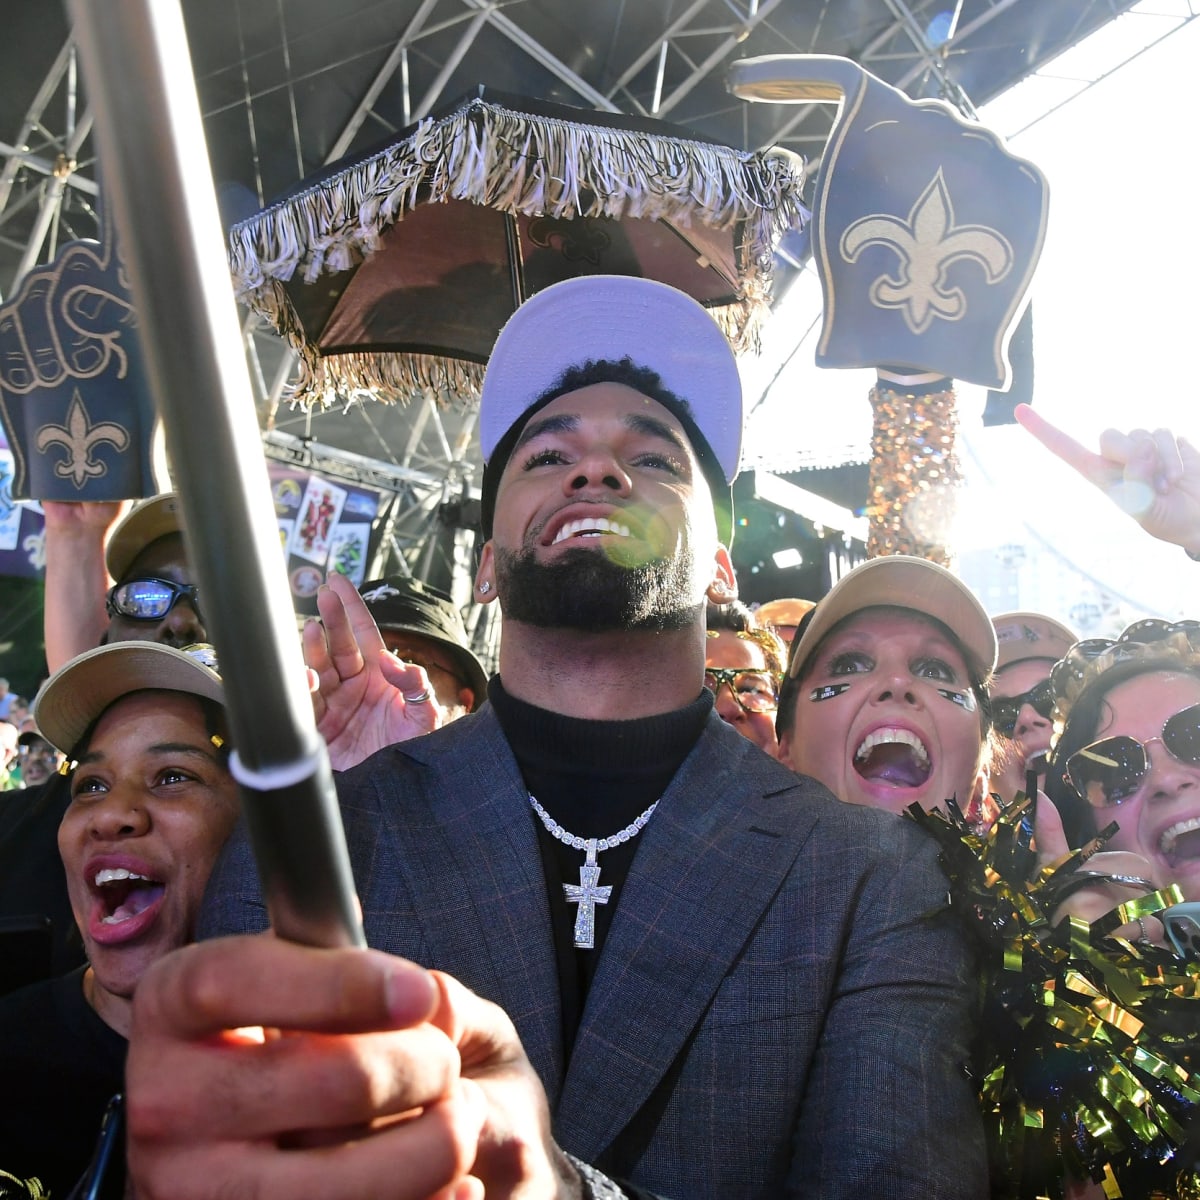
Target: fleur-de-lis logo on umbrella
(927,244)
(578,240)
(80,437)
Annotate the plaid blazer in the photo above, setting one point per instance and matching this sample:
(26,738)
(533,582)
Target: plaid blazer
(781,1006)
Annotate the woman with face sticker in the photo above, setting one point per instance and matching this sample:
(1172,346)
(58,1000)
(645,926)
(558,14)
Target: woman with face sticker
(885,697)
(151,804)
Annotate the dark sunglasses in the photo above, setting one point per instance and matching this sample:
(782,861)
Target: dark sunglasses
(149,599)
(1111,770)
(1006,709)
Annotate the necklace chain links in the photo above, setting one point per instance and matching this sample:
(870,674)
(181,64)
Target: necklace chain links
(580,843)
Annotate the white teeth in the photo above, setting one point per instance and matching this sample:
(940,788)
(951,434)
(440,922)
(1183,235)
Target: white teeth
(1170,836)
(586,525)
(117,875)
(881,737)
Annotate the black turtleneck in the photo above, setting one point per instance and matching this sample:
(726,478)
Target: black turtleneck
(594,778)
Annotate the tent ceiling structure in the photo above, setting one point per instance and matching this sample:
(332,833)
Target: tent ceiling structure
(289,85)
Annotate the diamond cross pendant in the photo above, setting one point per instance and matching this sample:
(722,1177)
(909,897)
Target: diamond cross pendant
(587,895)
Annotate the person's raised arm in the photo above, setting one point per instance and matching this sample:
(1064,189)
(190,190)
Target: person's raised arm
(364,698)
(1154,476)
(76,578)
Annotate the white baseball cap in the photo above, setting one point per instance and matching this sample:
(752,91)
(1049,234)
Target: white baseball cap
(594,318)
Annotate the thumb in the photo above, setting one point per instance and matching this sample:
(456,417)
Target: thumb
(1049,837)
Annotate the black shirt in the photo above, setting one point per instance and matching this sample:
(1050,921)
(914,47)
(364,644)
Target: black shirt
(594,778)
(60,1064)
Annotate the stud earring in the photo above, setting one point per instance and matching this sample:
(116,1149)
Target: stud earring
(484,588)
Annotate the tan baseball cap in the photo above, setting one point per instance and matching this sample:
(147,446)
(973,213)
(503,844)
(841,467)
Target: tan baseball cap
(143,524)
(903,581)
(1024,635)
(78,693)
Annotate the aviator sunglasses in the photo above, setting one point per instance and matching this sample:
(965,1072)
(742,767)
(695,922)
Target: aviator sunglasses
(754,691)
(1111,770)
(149,599)
(1006,709)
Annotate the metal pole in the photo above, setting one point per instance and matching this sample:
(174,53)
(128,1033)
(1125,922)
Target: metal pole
(159,184)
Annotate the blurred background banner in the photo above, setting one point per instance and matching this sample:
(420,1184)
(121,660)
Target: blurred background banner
(76,409)
(323,526)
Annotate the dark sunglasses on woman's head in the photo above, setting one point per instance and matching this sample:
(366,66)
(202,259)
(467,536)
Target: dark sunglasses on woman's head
(149,599)
(1111,770)
(1006,709)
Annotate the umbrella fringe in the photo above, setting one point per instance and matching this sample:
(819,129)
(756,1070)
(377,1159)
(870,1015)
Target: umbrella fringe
(522,164)
(395,378)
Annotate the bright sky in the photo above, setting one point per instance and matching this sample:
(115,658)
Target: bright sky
(1115,308)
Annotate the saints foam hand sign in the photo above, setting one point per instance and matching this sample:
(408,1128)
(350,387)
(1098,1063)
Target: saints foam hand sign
(73,398)
(925,229)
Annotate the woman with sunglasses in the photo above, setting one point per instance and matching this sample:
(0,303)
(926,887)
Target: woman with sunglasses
(1129,749)
(1029,645)
(743,663)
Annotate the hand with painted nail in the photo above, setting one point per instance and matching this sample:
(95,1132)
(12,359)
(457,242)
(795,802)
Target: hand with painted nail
(364,698)
(1154,476)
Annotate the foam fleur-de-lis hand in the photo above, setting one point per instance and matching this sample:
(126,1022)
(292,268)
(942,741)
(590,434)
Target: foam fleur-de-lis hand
(80,437)
(926,245)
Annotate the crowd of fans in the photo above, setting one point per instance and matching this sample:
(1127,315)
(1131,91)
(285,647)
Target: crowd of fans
(731,1011)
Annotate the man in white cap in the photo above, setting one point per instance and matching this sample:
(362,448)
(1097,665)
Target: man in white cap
(1029,645)
(721,981)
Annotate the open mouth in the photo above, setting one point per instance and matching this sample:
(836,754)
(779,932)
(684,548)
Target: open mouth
(124,894)
(896,757)
(1180,843)
(590,527)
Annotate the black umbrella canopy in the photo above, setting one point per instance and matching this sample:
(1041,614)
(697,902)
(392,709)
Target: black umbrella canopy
(391,272)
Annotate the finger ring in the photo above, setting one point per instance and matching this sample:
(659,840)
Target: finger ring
(420,698)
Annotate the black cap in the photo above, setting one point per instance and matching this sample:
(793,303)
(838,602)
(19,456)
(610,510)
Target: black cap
(411,606)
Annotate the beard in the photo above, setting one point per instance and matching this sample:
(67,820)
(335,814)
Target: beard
(586,590)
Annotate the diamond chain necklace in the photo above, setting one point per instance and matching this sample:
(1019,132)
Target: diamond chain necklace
(588,893)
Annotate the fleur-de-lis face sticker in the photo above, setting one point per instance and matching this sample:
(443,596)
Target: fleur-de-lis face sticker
(79,437)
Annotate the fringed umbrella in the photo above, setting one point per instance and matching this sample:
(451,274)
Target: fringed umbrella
(391,272)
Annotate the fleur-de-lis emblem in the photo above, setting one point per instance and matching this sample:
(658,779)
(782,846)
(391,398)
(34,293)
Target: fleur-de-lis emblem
(80,436)
(926,244)
(34,545)
(578,239)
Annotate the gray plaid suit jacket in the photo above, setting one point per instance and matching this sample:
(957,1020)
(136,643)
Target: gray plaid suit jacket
(781,1008)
